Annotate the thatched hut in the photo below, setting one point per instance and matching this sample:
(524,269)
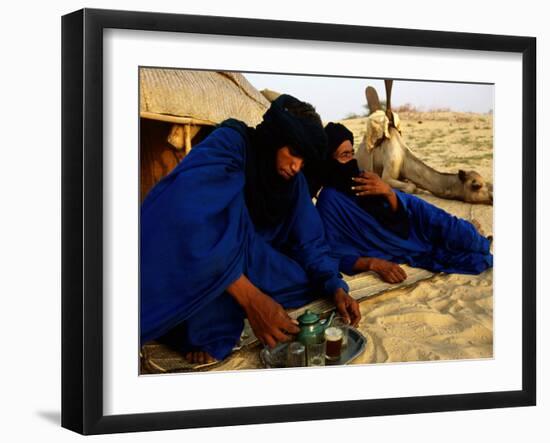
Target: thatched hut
(178,108)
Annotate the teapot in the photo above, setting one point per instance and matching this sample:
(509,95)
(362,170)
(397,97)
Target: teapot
(312,329)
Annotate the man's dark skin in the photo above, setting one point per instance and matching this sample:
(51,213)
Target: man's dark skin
(267,318)
(369,183)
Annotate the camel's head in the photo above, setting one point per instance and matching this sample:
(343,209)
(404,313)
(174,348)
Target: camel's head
(476,189)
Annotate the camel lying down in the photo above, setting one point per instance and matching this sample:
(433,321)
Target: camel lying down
(384,151)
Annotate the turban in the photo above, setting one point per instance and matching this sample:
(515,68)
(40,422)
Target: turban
(269,196)
(280,127)
(336,135)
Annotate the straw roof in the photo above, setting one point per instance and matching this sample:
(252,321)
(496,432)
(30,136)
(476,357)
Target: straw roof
(201,96)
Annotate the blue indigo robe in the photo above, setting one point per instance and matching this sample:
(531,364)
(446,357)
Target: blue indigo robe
(197,238)
(437,241)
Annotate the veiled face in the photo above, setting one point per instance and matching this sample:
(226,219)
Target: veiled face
(288,164)
(344,153)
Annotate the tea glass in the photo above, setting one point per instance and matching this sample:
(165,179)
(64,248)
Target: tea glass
(316,353)
(296,355)
(341,323)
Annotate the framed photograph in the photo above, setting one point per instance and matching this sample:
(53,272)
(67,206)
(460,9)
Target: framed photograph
(269,221)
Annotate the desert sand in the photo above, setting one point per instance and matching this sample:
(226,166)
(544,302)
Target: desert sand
(445,317)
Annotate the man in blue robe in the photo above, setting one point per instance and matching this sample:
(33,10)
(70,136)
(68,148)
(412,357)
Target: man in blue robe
(232,232)
(372,227)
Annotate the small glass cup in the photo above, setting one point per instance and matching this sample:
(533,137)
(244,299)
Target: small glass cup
(340,323)
(334,339)
(296,355)
(316,353)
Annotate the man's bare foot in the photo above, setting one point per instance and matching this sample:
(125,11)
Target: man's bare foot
(477,225)
(388,271)
(200,357)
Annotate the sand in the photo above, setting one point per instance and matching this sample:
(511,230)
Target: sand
(449,317)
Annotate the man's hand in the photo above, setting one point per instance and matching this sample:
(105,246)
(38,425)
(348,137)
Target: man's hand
(369,183)
(347,307)
(388,271)
(268,319)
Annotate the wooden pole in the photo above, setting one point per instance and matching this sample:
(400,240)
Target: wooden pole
(187,137)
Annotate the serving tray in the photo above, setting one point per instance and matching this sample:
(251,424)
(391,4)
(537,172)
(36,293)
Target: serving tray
(276,357)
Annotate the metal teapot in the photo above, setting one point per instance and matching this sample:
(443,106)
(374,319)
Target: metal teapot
(312,328)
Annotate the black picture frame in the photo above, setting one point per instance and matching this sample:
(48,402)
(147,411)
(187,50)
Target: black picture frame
(82,218)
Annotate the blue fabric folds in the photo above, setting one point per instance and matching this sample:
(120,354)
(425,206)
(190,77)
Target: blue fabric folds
(197,238)
(437,241)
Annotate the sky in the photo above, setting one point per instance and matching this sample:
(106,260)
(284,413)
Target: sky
(337,97)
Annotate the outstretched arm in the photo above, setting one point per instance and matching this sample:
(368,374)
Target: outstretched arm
(310,249)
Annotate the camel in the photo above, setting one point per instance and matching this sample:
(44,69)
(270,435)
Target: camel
(384,151)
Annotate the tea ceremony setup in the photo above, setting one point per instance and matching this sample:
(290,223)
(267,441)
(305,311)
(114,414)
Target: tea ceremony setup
(249,354)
